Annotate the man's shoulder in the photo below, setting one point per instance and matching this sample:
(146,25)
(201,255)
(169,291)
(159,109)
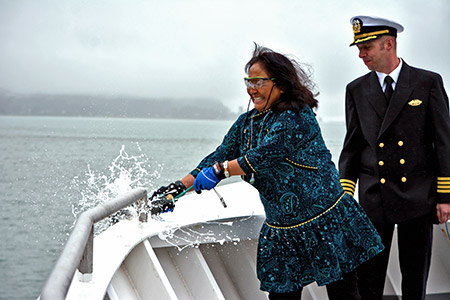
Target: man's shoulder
(422,72)
(360,80)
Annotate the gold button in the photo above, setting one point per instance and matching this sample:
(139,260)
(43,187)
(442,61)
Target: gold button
(403,179)
(382,180)
(381,145)
(400,143)
(402,161)
(381,163)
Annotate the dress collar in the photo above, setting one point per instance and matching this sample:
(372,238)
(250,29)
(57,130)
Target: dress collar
(258,114)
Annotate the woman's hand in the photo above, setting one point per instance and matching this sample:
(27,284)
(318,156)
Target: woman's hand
(205,180)
(208,178)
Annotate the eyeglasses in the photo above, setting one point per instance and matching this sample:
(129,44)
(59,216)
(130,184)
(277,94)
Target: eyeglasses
(256,82)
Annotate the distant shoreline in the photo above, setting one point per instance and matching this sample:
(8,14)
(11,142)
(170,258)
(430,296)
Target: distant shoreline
(118,107)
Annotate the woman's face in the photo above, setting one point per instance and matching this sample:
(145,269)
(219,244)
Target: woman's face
(262,97)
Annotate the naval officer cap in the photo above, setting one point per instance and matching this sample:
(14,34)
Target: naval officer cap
(368,28)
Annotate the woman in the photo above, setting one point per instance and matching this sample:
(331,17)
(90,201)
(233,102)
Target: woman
(313,230)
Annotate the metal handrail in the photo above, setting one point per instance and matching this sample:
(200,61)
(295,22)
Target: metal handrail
(78,251)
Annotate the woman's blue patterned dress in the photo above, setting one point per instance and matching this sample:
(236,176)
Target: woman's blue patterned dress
(313,231)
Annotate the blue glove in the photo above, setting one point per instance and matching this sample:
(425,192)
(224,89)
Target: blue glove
(205,180)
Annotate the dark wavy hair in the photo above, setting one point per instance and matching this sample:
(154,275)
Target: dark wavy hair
(289,76)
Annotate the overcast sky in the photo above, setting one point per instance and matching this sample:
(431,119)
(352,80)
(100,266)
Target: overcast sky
(198,48)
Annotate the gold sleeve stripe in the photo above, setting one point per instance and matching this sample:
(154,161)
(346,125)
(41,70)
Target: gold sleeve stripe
(349,190)
(249,164)
(350,193)
(443,185)
(348,182)
(348,186)
(447,191)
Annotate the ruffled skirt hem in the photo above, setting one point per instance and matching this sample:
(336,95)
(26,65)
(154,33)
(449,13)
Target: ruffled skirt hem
(321,250)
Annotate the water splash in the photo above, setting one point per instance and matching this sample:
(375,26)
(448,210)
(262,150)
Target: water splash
(213,232)
(132,169)
(126,172)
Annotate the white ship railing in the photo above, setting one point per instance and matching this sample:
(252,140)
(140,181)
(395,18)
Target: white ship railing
(78,251)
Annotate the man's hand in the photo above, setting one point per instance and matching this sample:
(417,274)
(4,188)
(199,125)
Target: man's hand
(443,212)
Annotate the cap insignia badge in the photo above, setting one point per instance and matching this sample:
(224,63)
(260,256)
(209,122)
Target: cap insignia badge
(357,25)
(415,102)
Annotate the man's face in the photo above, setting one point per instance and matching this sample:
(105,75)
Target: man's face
(373,54)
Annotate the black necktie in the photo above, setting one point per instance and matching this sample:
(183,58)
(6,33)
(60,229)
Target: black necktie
(388,91)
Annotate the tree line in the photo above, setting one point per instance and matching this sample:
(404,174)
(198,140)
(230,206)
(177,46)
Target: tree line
(112,106)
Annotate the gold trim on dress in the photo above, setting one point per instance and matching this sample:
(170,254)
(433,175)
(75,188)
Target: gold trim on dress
(260,113)
(310,220)
(301,166)
(249,164)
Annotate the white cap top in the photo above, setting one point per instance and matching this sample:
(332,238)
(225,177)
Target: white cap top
(367,28)
(376,21)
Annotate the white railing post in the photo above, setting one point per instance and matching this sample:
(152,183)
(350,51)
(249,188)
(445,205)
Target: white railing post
(78,251)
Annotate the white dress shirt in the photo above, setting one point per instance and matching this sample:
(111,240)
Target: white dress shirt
(394,75)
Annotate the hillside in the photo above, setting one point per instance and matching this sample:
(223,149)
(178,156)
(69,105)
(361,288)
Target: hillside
(111,106)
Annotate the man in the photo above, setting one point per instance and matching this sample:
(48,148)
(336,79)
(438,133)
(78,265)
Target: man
(398,146)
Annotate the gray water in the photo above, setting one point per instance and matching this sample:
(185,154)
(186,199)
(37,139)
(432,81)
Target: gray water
(52,168)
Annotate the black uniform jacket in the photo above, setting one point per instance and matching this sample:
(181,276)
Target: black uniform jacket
(400,151)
